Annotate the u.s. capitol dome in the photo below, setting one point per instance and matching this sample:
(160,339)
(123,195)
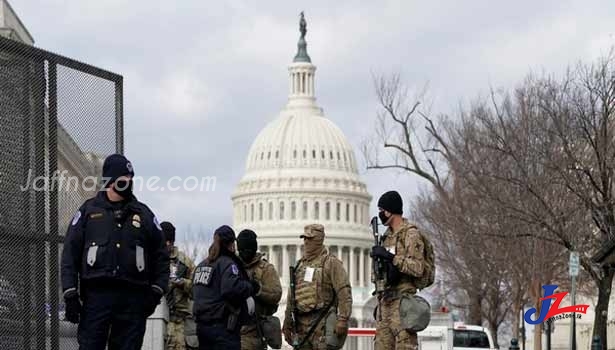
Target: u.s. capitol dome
(301,169)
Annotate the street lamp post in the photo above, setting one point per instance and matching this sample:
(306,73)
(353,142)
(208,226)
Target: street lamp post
(574,272)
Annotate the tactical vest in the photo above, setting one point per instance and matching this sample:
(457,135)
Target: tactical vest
(255,272)
(311,293)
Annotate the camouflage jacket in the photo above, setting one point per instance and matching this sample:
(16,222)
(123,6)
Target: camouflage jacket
(334,282)
(268,298)
(179,295)
(407,245)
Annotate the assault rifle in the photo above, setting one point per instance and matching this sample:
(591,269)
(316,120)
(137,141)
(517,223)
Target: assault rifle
(378,267)
(293,309)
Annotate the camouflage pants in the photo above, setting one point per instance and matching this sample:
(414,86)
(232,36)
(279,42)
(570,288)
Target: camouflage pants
(317,340)
(175,335)
(389,335)
(250,340)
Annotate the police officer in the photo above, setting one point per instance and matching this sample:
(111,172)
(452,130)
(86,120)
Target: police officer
(403,252)
(323,296)
(114,262)
(267,299)
(221,290)
(180,290)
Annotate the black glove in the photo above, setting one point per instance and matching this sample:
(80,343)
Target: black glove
(256,287)
(381,252)
(152,299)
(73,307)
(393,274)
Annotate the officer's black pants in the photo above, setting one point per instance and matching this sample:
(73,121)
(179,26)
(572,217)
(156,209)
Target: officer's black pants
(113,314)
(216,337)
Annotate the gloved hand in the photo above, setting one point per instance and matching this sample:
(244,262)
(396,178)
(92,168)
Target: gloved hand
(256,287)
(341,327)
(393,274)
(73,307)
(381,252)
(251,306)
(152,299)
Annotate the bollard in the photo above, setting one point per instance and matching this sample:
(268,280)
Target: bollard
(596,345)
(514,344)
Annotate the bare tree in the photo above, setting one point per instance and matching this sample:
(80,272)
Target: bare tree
(194,243)
(556,137)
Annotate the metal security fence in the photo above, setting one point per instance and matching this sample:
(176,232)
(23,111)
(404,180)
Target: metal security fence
(59,119)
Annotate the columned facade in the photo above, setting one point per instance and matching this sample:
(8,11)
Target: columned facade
(301,170)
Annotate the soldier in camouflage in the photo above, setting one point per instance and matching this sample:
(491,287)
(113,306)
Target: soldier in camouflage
(322,288)
(403,252)
(180,290)
(267,299)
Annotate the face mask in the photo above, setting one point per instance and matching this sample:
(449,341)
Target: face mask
(123,188)
(247,255)
(313,247)
(383,218)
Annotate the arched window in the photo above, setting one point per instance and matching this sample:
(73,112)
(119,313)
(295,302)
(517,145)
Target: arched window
(245,213)
(322,153)
(293,210)
(281,210)
(305,210)
(355,218)
(295,154)
(270,210)
(328,211)
(304,154)
(338,211)
(316,211)
(277,154)
(314,153)
(260,211)
(347,212)
(252,212)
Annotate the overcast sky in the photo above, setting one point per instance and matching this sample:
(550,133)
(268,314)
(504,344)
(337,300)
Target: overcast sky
(202,78)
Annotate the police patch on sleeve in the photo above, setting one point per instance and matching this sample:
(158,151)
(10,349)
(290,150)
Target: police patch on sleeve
(235,269)
(157,223)
(76,218)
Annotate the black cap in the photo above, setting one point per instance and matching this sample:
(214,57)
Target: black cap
(247,240)
(115,166)
(169,231)
(227,235)
(391,202)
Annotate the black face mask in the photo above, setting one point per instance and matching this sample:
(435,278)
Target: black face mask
(247,255)
(123,188)
(383,218)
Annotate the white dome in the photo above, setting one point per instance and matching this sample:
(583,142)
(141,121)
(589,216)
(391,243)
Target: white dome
(301,170)
(302,140)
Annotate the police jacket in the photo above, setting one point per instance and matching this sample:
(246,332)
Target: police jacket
(117,241)
(220,287)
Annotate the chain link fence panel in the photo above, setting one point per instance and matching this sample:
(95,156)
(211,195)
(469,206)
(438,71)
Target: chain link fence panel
(59,119)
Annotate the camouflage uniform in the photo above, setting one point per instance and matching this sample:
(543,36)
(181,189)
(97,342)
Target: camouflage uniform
(266,300)
(318,280)
(407,245)
(178,298)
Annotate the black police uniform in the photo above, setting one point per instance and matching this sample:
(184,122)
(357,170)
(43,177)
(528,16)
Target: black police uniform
(117,251)
(220,290)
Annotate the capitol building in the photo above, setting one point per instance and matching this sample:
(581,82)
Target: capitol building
(300,170)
